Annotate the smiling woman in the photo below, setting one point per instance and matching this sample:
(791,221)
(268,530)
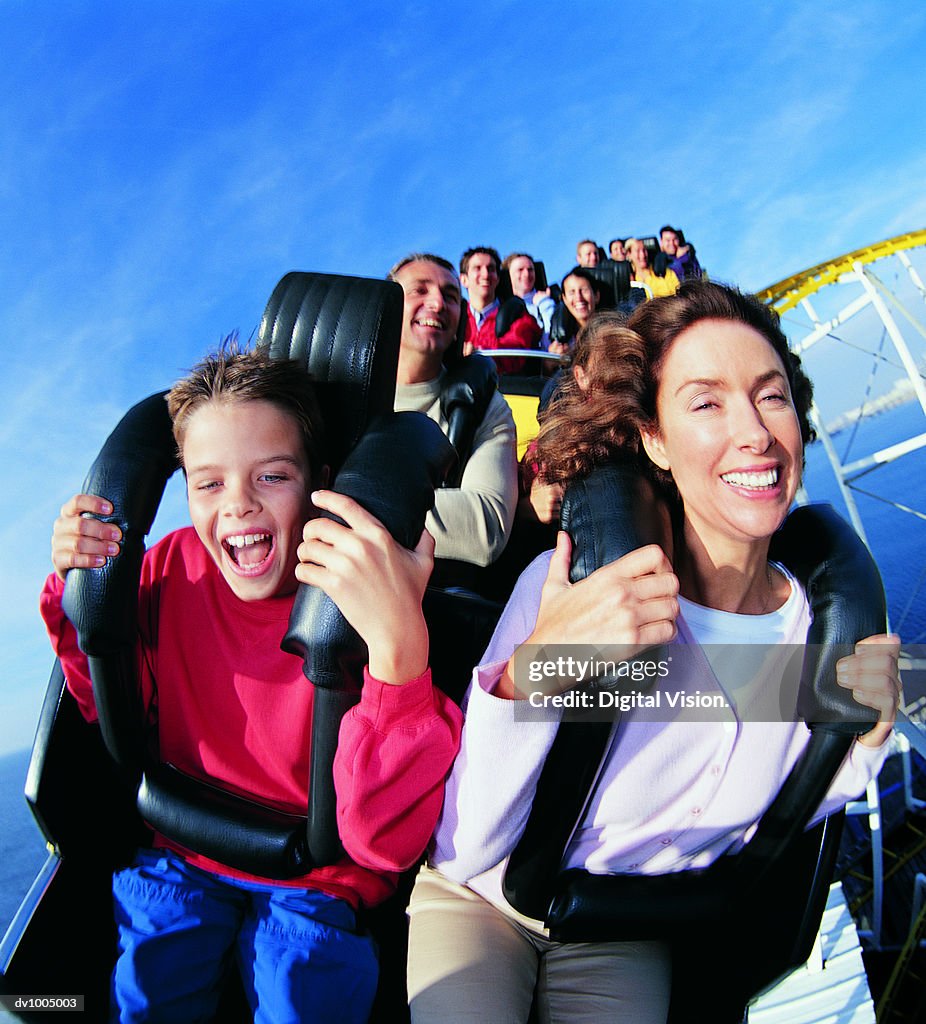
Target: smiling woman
(727,432)
(701,393)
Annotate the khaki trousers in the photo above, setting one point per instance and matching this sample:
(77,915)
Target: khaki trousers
(468,961)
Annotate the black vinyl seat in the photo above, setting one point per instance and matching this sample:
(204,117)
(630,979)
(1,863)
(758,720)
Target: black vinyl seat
(345,330)
(781,877)
(90,789)
(613,278)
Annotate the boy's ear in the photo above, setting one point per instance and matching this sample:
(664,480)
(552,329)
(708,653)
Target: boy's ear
(655,449)
(324,478)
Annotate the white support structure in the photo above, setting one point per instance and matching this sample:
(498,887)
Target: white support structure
(867,281)
(895,301)
(877,296)
(822,330)
(831,988)
(824,437)
(871,806)
(914,276)
(903,735)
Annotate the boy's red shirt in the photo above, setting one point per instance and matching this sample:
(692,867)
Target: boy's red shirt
(233,709)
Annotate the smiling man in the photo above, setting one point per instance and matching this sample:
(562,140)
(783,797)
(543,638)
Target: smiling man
(683,262)
(488,325)
(587,253)
(469,523)
(540,304)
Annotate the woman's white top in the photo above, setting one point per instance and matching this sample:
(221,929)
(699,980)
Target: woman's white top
(680,785)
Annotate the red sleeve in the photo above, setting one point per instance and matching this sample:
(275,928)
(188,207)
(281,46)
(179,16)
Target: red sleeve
(395,750)
(525,332)
(63,638)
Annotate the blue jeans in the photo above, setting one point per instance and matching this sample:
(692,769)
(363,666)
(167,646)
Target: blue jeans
(299,952)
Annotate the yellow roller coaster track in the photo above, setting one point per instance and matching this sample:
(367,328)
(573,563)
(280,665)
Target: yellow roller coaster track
(786,294)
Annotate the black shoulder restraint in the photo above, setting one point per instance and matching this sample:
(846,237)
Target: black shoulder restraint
(467,388)
(346,330)
(604,517)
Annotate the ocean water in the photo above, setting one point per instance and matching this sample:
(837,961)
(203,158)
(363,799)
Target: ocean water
(22,847)
(898,541)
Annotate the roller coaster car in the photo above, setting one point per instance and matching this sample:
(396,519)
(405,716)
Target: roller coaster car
(89,790)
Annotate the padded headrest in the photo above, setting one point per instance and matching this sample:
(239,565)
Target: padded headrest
(346,330)
(563,324)
(651,242)
(504,290)
(613,277)
(454,354)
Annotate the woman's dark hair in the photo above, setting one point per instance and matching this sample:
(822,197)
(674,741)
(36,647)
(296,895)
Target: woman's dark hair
(585,274)
(624,360)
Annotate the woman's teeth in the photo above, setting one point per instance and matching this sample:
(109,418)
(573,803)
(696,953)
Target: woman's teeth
(767,478)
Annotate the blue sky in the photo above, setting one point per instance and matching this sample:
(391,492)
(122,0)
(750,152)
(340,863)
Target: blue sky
(163,164)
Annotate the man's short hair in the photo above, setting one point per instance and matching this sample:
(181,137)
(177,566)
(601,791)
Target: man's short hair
(420,257)
(487,249)
(667,227)
(586,241)
(237,374)
(509,259)
(613,240)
